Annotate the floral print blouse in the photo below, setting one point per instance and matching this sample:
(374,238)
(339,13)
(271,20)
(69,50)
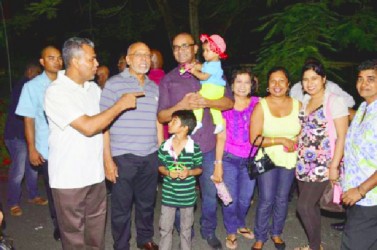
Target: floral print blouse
(314,151)
(360,157)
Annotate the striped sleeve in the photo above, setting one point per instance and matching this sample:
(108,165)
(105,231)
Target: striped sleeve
(198,157)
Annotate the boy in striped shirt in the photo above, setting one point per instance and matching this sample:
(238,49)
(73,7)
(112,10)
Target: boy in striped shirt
(180,161)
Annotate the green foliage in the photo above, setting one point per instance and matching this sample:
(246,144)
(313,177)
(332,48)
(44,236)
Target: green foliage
(4,156)
(314,30)
(21,23)
(301,30)
(45,7)
(359,30)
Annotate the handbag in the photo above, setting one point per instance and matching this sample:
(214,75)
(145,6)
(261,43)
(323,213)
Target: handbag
(6,243)
(331,199)
(261,166)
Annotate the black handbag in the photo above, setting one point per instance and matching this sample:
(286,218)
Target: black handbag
(6,243)
(261,166)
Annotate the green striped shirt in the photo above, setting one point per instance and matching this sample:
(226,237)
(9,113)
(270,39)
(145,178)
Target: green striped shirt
(177,192)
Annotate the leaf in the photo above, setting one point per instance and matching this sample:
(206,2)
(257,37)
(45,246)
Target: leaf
(45,7)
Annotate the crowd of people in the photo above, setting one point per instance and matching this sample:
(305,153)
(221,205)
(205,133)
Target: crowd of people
(188,125)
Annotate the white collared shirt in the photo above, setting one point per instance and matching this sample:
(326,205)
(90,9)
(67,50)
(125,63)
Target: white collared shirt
(75,160)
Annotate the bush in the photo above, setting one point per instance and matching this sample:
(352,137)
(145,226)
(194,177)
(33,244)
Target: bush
(4,156)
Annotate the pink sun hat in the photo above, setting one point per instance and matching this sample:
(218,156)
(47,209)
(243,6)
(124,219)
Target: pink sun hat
(216,44)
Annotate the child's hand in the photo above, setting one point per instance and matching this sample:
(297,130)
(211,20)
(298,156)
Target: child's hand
(197,66)
(184,173)
(174,174)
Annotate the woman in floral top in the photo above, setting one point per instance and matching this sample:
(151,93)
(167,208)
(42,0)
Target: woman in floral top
(324,123)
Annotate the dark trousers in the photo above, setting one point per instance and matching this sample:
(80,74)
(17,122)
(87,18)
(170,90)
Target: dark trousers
(51,204)
(360,231)
(136,184)
(309,210)
(82,216)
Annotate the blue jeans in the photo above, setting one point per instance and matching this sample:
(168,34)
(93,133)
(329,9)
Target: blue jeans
(208,220)
(273,189)
(241,189)
(19,168)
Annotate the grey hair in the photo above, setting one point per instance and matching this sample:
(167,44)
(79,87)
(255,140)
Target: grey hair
(73,47)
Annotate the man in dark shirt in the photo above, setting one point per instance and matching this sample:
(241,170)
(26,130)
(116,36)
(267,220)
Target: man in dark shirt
(178,91)
(14,137)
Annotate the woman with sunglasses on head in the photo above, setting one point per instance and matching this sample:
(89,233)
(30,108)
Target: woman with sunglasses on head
(275,124)
(324,121)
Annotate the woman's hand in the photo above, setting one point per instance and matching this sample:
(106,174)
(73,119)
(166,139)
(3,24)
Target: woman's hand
(351,196)
(289,145)
(333,174)
(218,173)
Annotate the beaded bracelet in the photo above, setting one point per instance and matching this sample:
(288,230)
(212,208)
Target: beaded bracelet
(218,162)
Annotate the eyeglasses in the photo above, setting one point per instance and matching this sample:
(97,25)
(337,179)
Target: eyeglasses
(140,56)
(184,46)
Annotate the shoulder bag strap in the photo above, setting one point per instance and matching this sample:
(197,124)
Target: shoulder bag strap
(252,147)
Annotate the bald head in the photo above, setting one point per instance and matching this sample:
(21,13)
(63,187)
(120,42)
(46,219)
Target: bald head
(138,58)
(46,49)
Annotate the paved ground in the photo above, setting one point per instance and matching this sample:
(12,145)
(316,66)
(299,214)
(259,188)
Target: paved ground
(33,230)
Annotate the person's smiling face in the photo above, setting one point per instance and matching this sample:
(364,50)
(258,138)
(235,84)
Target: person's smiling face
(278,83)
(313,83)
(367,85)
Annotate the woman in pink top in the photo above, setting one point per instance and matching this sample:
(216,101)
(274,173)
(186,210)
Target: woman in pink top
(232,150)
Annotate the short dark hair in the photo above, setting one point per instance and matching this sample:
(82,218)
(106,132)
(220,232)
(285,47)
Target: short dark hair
(276,69)
(367,65)
(187,118)
(73,47)
(32,64)
(243,70)
(314,65)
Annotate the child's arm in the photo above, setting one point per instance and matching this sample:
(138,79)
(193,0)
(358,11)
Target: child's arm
(196,70)
(189,172)
(160,133)
(166,172)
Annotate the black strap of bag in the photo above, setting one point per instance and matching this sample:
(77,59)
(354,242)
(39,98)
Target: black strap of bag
(261,166)
(251,158)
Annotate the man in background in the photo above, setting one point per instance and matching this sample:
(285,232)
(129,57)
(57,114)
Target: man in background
(14,137)
(102,75)
(30,106)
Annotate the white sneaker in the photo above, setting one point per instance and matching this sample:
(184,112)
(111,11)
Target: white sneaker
(219,128)
(199,125)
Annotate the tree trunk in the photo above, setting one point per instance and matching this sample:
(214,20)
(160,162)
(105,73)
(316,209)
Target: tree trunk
(166,11)
(194,19)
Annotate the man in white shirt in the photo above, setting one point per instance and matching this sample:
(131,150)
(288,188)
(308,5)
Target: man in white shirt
(76,146)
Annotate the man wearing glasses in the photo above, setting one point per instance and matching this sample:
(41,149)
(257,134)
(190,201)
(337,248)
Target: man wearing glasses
(131,144)
(178,90)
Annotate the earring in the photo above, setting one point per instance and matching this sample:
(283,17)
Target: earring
(267,90)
